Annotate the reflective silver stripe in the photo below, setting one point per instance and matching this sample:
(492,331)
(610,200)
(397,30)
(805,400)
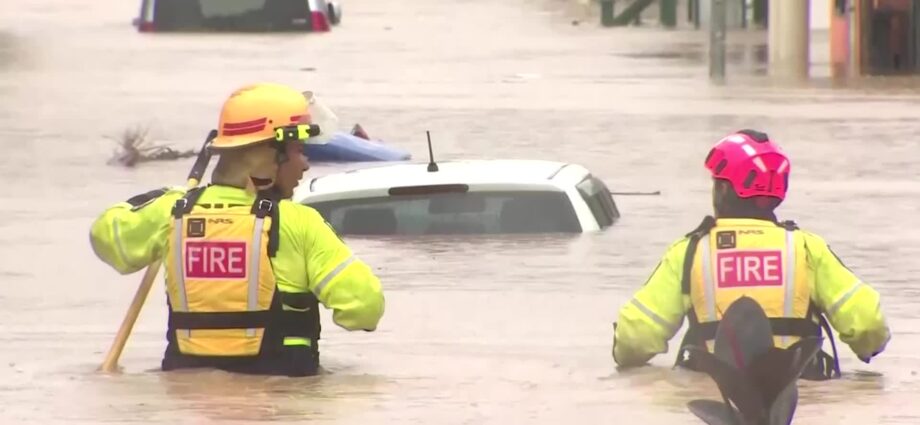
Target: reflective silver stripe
(789,301)
(252,300)
(338,269)
(651,314)
(708,279)
(849,294)
(179,267)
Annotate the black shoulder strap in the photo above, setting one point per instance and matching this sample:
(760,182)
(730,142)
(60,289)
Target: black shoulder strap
(184,204)
(705,226)
(692,335)
(702,230)
(789,225)
(262,207)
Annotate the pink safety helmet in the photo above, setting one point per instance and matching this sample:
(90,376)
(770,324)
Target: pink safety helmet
(754,165)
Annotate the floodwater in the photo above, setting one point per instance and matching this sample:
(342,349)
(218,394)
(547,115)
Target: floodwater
(477,330)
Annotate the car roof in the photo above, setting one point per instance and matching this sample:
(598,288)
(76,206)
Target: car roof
(496,173)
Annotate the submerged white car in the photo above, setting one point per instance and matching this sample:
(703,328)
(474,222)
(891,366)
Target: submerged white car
(462,197)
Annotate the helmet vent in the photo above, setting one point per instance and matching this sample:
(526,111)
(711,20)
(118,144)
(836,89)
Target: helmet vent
(749,180)
(709,156)
(757,136)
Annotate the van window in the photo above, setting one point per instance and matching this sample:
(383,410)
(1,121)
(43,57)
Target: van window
(453,213)
(599,200)
(233,15)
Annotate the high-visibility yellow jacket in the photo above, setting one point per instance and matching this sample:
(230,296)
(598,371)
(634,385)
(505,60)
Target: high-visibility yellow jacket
(310,256)
(653,316)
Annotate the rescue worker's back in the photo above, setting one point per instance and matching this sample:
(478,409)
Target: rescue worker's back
(308,252)
(791,273)
(246,269)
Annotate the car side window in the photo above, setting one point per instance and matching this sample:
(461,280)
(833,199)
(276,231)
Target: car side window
(599,200)
(453,213)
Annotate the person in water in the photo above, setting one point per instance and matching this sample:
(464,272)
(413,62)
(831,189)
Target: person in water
(246,268)
(745,251)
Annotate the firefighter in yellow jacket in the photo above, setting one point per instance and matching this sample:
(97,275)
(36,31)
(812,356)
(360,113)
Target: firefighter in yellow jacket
(744,250)
(246,268)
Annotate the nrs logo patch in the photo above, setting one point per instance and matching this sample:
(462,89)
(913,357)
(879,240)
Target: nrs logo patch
(725,239)
(741,269)
(195,228)
(215,260)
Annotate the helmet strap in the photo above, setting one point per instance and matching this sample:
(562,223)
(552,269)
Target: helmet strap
(268,184)
(281,155)
(261,183)
(270,193)
(730,205)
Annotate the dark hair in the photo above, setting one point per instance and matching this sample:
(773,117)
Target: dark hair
(733,206)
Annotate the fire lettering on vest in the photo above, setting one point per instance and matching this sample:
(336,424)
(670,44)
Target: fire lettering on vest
(215,260)
(749,268)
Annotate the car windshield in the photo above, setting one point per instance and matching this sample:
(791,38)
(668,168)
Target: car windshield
(453,213)
(236,15)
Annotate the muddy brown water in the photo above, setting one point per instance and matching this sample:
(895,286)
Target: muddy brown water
(477,330)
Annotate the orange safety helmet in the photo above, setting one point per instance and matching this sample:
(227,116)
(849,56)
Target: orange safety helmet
(254,114)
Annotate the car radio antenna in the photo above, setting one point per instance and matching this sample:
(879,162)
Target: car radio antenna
(432,166)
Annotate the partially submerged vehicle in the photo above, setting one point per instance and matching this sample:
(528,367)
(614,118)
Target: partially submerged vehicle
(238,15)
(497,196)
